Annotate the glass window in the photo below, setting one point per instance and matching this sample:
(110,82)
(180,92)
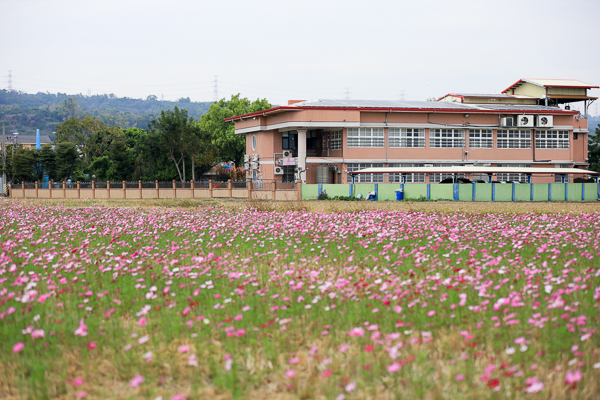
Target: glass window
(365,137)
(514,138)
(523,178)
(551,139)
(289,173)
(336,140)
(407,137)
(481,138)
(447,138)
(288,140)
(558,178)
(410,178)
(366,178)
(437,178)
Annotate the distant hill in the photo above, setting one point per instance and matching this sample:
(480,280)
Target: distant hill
(24,112)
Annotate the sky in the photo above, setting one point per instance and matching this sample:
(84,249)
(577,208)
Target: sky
(299,50)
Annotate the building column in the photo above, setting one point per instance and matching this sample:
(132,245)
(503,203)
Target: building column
(302,154)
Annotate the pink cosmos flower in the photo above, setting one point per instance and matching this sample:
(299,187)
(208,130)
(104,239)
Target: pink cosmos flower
(136,381)
(394,367)
(573,377)
(78,382)
(290,373)
(183,349)
(294,360)
(344,347)
(356,332)
(238,317)
(350,387)
(81,330)
(81,394)
(142,321)
(326,373)
(534,387)
(18,347)
(459,377)
(92,345)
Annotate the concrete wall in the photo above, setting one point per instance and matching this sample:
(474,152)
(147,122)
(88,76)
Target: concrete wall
(465,192)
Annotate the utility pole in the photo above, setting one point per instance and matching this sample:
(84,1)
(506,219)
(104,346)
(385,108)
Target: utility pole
(216,89)
(3,158)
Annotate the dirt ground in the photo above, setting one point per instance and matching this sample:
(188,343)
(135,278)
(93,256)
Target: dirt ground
(337,206)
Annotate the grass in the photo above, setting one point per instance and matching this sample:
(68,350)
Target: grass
(298,300)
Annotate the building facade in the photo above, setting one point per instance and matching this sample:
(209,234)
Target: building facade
(321,141)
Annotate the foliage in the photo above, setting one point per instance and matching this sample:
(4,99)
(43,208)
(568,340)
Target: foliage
(227,145)
(594,150)
(67,160)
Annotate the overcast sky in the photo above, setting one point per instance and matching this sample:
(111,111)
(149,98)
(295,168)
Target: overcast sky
(300,49)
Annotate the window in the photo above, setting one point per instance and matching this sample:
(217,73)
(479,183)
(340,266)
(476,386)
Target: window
(365,137)
(523,178)
(288,140)
(481,138)
(551,139)
(437,178)
(289,173)
(410,178)
(407,137)
(253,142)
(366,178)
(514,139)
(446,138)
(575,136)
(336,140)
(558,178)
(311,140)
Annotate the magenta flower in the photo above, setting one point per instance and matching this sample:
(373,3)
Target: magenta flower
(136,381)
(573,377)
(290,373)
(81,330)
(18,347)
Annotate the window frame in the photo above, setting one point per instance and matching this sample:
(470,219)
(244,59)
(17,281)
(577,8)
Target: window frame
(406,138)
(365,138)
(437,142)
(476,138)
(335,142)
(508,142)
(551,139)
(366,178)
(410,178)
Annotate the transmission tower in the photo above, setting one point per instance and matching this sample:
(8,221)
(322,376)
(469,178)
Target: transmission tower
(347,93)
(10,88)
(89,92)
(216,89)
(402,95)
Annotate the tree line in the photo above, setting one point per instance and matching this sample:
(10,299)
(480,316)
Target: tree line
(175,145)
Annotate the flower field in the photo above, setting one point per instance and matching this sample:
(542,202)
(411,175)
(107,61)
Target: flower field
(171,303)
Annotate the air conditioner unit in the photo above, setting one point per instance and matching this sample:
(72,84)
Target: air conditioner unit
(254,165)
(525,121)
(247,166)
(246,158)
(509,121)
(544,121)
(287,154)
(278,170)
(254,157)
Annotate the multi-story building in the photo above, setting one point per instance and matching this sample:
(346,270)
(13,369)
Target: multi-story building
(321,141)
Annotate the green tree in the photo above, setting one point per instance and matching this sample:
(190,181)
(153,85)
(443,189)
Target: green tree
(120,161)
(47,159)
(227,145)
(594,150)
(70,109)
(24,165)
(67,160)
(173,131)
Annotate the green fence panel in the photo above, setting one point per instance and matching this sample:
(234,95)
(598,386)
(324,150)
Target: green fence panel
(591,191)
(333,190)
(441,191)
(364,189)
(465,192)
(387,191)
(483,192)
(574,191)
(503,192)
(522,192)
(558,192)
(310,192)
(414,191)
(540,192)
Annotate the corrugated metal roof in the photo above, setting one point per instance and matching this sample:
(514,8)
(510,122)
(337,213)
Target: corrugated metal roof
(382,104)
(474,170)
(492,96)
(560,82)
(24,138)
(439,105)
